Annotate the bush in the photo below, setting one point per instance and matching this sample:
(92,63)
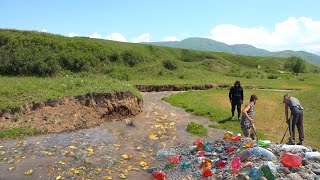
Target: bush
(114,57)
(272,76)
(169,65)
(196,129)
(132,58)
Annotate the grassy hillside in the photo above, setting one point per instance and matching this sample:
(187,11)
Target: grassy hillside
(204,44)
(31,53)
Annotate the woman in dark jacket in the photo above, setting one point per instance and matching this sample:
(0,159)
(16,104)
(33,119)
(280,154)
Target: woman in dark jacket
(236,98)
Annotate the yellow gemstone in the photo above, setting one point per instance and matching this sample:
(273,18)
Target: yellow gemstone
(125,156)
(122,176)
(61,162)
(72,147)
(30,171)
(143,163)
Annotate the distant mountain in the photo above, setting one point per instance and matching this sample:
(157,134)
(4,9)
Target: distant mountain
(204,44)
(317,53)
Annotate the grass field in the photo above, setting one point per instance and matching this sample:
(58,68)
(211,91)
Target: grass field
(269,110)
(17,91)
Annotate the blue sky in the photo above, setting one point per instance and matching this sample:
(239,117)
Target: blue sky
(269,24)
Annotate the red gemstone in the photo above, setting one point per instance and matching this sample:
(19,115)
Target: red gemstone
(159,175)
(198,142)
(207,172)
(235,163)
(221,164)
(290,160)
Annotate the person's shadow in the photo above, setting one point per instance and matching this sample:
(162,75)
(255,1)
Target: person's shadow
(226,120)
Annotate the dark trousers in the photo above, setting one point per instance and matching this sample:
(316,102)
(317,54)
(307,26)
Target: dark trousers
(233,107)
(296,120)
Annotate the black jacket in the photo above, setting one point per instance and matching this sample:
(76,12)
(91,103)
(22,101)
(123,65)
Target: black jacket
(236,94)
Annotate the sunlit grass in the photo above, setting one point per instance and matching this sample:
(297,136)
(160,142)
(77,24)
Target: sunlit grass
(20,132)
(269,111)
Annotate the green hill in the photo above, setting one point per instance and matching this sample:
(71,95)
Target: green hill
(29,53)
(204,44)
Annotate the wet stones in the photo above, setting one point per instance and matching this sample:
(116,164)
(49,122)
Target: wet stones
(294,176)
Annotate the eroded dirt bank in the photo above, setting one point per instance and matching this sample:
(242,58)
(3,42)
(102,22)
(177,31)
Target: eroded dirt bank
(72,113)
(158,88)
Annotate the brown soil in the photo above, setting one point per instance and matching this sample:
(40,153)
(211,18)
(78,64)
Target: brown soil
(72,113)
(158,88)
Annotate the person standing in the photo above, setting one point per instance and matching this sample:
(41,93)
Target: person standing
(296,118)
(247,119)
(236,98)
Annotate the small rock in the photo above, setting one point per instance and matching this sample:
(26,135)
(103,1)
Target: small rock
(88,161)
(294,169)
(242,177)
(224,158)
(294,176)
(317,158)
(305,162)
(317,171)
(285,170)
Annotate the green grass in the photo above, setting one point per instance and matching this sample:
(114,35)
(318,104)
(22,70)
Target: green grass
(20,132)
(269,110)
(196,129)
(17,91)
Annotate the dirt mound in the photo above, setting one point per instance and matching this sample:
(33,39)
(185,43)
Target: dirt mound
(72,113)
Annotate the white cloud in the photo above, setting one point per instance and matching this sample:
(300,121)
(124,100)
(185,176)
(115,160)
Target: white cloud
(44,30)
(294,33)
(170,38)
(142,38)
(96,35)
(115,36)
(73,34)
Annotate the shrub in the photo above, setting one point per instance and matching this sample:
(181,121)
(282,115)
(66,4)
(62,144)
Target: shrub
(272,76)
(114,57)
(169,65)
(196,129)
(132,58)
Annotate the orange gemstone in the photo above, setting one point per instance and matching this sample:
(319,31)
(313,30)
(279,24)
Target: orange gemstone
(200,147)
(206,163)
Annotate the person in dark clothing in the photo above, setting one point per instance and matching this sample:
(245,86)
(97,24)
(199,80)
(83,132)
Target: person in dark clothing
(296,118)
(236,98)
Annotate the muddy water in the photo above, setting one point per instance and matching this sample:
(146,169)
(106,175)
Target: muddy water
(97,153)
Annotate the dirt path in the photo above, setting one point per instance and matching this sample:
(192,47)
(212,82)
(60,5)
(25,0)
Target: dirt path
(100,153)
